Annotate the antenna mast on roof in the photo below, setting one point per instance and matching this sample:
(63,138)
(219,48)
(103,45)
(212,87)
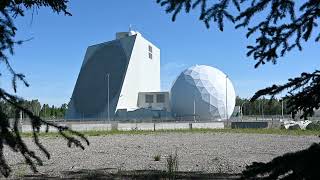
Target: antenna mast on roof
(130,27)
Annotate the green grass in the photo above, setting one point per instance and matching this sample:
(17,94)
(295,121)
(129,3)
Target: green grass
(172,165)
(140,132)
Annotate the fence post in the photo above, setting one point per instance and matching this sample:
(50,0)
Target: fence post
(114,126)
(154,126)
(190,126)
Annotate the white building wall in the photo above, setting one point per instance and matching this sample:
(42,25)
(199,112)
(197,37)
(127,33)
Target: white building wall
(143,74)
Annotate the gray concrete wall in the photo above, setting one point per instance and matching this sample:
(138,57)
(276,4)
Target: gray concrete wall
(132,126)
(241,125)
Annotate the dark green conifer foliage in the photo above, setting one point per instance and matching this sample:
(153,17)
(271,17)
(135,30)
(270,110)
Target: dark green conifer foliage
(9,134)
(297,165)
(287,24)
(285,27)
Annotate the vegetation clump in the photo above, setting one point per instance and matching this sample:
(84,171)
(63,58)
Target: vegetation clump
(157,157)
(172,165)
(314,126)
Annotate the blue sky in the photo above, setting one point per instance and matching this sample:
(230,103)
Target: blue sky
(52,59)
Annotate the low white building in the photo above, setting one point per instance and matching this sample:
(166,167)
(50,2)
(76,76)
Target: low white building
(154,100)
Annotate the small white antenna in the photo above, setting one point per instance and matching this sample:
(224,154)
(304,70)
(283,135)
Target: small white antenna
(130,27)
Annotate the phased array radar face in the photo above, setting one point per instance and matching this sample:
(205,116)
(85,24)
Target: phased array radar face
(204,92)
(90,95)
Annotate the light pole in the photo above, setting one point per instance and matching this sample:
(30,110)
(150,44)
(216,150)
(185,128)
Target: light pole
(282,108)
(241,109)
(227,99)
(262,113)
(194,110)
(108,77)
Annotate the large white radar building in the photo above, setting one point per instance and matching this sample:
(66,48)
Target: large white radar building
(120,80)
(112,75)
(204,93)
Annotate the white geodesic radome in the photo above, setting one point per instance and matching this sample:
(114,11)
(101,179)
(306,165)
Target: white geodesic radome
(200,91)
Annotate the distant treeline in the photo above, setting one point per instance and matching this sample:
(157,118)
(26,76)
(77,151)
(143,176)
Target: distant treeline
(44,111)
(261,106)
(258,107)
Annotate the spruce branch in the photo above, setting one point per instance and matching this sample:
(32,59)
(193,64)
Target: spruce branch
(297,165)
(285,27)
(280,32)
(10,135)
(303,93)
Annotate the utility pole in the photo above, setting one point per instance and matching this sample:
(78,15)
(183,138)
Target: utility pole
(282,108)
(241,109)
(108,76)
(194,109)
(262,109)
(227,100)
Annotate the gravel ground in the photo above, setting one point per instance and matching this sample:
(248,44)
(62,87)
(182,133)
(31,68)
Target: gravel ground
(205,152)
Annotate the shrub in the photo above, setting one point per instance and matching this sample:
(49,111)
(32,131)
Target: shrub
(157,157)
(172,165)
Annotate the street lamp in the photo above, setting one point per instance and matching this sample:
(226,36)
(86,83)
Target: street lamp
(262,108)
(262,113)
(108,77)
(282,108)
(194,110)
(227,99)
(241,109)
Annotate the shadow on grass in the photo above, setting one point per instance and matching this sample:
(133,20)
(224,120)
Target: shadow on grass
(137,174)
